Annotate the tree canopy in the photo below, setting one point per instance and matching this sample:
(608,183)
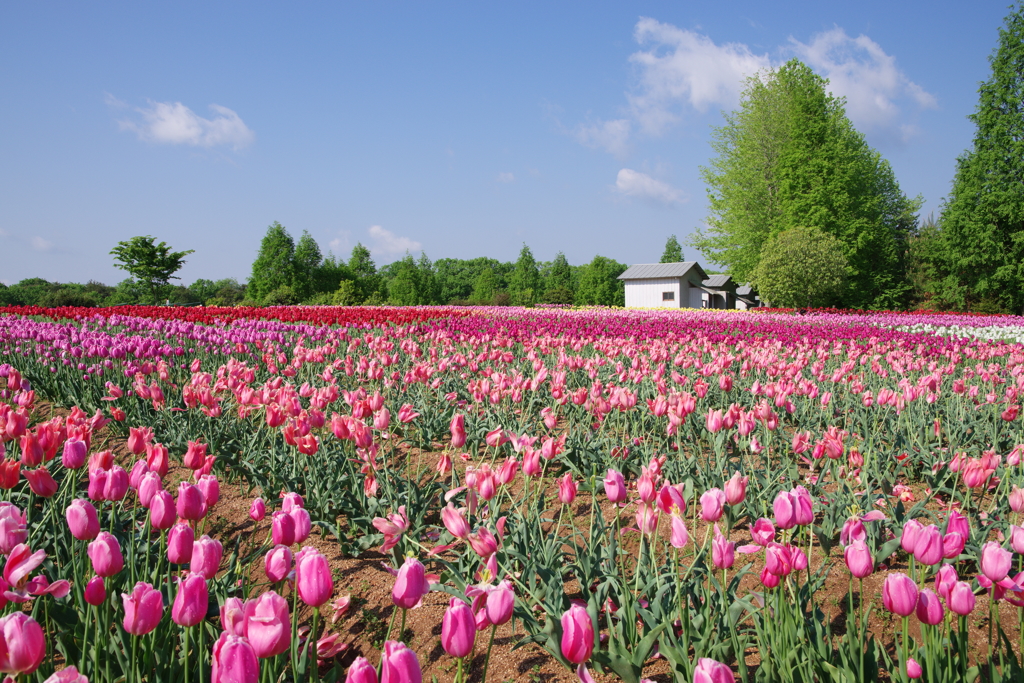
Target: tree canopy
(982,222)
(789,157)
(274,267)
(524,284)
(151,265)
(801,267)
(673,251)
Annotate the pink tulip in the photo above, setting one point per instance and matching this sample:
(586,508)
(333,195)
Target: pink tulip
(778,559)
(277,563)
(913,668)
(157,458)
(105,554)
(680,536)
(95,591)
(82,520)
(180,543)
(929,607)
(75,454)
(458,430)
(945,578)
(646,518)
(313,579)
(234,661)
(712,505)
(258,510)
(149,484)
(615,486)
(500,602)
(67,675)
(13,529)
(210,487)
(736,489)
(143,609)
(22,644)
(763,532)
(455,522)
(995,561)
(961,598)
(138,438)
(711,671)
(410,585)
(458,629)
(191,502)
(195,456)
(302,522)
(206,556)
(928,547)
(899,594)
(670,500)
(859,559)
(911,532)
(577,634)
(483,542)
(192,600)
(567,489)
(282,528)
(714,421)
(952,545)
(722,551)
(291,501)
(1017,539)
(162,512)
(268,625)
(785,510)
(361,671)
(399,664)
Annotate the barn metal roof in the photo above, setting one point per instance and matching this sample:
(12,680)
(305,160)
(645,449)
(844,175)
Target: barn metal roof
(649,271)
(717,280)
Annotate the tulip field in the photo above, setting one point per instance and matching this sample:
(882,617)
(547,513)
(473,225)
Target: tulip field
(501,494)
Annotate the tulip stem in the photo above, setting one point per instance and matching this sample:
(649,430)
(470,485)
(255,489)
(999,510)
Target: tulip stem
(313,645)
(184,637)
(458,672)
(487,659)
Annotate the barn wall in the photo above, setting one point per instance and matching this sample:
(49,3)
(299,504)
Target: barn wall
(648,293)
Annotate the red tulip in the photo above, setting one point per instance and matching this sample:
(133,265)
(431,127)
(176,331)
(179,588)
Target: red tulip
(157,458)
(41,482)
(195,456)
(138,439)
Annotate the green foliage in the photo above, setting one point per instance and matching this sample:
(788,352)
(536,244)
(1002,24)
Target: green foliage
(524,283)
(307,259)
(484,287)
(789,157)
(150,264)
(456,278)
(364,272)
(274,267)
(558,296)
(347,294)
(673,251)
(282,296)
(560,274)
(599,285)
(983,217)
(801,267)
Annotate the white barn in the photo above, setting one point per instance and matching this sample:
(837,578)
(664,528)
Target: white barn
(665,285)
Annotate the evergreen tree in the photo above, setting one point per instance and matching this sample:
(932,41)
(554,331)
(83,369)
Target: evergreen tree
(430,293)
(673,251)
(274,267)
(524,283)
(789,157)
(983,218)
(307,264)
(404,285)
(364,270)
(599,284)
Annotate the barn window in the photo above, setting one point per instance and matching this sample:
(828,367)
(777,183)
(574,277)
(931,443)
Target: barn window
(668,296)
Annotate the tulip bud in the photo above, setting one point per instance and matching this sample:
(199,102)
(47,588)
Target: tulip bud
(913,668)
(192,601)
(210,487)
(995,561)
(291,500)
(105,554)
(258,510)
(313,579)
(206,556)
(567,489)
(410,584)
(500,602)
(712,671)
(302,522)
(95,591)
(180,543)
(83,522)
(458,629)
(577,634)
(149,484)
(928,547)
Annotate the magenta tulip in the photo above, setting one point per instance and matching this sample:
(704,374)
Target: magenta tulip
(313,579)
(712,505)
(680,536)
(268,625)
(929,607)
(143,609)
(210,487)
(162,513)
(995,561)
(149,485)
(75,453)
(859,559)
(711,671)
(399,664)
(961,598)
(944,580)
(282,528)
(105,554)
(911,532)
(258,510)
(500,602)
(234,661)
(95,591)
(577,634)
(277,563)
(913,668)
(22,644)
(454,521)
(206,556)
(191,502)
(458,628)
(899,594)
(83,522)
(361,671)
(615,486)
(928,547)
(180,543)
(302,524)
(410,584)
(566,489)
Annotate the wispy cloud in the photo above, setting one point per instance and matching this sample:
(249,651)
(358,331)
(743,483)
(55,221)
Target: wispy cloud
(387,243)
(506,178)
(175,124)
(341,244)
(41,244)
(642,186)
(860,70)
(679,71)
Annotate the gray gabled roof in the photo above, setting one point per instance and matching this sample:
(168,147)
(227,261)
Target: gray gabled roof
(745,290)
(649,271)
(717,281)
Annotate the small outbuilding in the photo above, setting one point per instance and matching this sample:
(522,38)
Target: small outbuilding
(665,285)
(720,291)
(747,298)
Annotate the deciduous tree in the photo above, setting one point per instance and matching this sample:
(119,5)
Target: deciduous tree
(801,267)
(274,267)
(151,265)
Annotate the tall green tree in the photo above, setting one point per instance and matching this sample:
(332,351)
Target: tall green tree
(364,270)
(801,267)
(789,157)
(307,259)
(673,251)
(274,267)
(430,291)
(599,284)
(983,218)
(524,283)
(405,286)
(151,265)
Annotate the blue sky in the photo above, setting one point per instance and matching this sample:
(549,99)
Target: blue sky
(459,129)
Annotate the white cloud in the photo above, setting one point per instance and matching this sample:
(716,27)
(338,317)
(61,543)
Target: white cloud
(340,244)
(860,70)
(174,123)
(612,136)
(388,243)
(506,178)
(642,186)
(40,244)
(684,66)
